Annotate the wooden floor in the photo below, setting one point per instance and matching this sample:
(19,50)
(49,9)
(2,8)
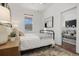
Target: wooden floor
(69,47)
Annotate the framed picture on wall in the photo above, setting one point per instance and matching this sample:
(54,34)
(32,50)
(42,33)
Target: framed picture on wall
(49,22)
(70,23)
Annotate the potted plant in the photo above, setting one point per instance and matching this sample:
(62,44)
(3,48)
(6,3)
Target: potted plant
(13,36)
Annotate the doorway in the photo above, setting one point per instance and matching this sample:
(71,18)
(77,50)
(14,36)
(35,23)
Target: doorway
(69,22)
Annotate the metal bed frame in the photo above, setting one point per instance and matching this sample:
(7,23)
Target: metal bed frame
(48,32)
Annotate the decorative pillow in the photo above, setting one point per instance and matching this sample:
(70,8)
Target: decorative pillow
(21,33)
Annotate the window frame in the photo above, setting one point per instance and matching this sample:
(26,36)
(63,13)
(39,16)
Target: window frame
(28,17)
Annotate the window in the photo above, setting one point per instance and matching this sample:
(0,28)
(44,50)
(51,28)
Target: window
(28,24)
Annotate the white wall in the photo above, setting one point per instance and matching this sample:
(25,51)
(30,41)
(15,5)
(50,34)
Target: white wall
(55,10)
(17,14)
(77,40)
(37,22)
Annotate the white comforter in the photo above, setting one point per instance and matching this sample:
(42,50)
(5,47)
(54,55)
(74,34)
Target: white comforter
(30,41)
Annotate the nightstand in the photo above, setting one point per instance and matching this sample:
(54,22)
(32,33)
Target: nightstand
(11,48)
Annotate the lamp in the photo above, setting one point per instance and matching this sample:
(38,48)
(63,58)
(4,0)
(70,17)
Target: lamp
(4,15)
(4,32)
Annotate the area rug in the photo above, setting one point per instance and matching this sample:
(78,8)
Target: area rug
(48,51)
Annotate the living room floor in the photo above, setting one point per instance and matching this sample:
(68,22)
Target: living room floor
(69,47)
(48,51)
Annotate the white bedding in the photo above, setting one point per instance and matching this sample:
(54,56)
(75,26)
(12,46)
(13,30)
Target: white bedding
(29,36)
(30,41)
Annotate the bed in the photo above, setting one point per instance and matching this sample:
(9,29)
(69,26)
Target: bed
(31,41)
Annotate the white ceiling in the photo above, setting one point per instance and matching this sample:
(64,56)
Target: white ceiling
(34,6)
